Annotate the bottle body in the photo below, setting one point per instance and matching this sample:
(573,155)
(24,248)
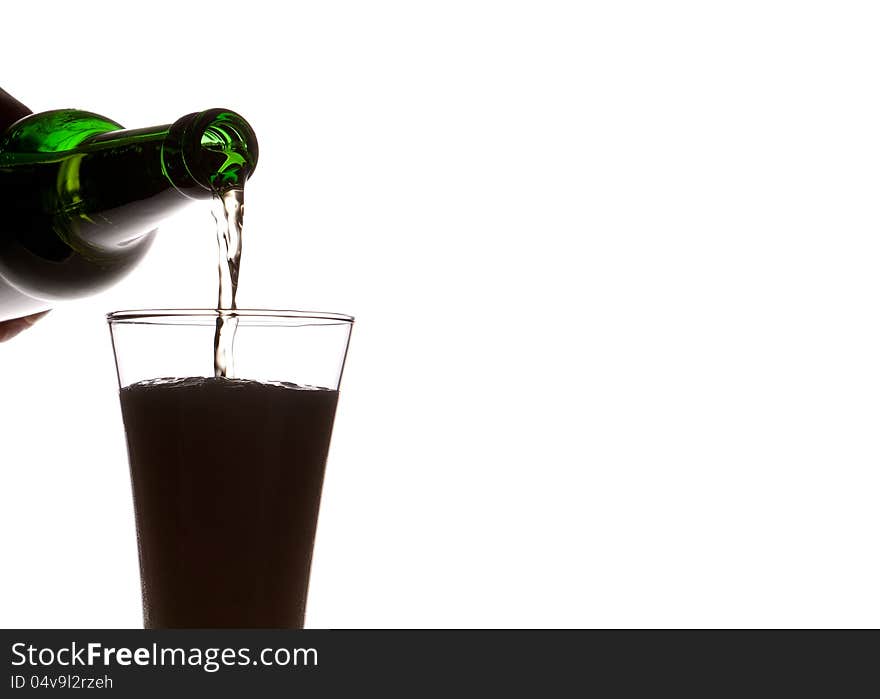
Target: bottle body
(46,253)
(82,197)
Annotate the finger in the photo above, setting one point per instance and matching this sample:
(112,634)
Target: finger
(11,328)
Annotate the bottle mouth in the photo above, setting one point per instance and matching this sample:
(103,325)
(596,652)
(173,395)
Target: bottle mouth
(218,151)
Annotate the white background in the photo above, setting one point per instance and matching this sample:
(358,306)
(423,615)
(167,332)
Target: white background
(616,361)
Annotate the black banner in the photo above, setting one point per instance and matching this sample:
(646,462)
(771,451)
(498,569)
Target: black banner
(134,663)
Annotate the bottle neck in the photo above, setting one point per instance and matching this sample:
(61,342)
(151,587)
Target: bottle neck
(117,163)
(199,156)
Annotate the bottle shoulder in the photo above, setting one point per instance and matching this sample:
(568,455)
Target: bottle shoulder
(55,131)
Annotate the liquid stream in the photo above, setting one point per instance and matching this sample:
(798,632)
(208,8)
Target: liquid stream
(228,212)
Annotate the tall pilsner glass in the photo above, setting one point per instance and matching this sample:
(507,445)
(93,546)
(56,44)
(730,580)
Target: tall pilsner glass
(227,472)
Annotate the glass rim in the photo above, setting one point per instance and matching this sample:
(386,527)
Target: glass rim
(197,316)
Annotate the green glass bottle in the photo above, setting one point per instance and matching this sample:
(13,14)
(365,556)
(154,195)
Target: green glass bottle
(81,197)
